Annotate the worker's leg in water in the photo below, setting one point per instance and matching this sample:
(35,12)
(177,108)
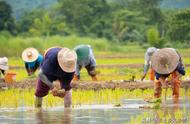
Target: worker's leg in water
(157,89)
(41,90)
(68,99)
(175,86)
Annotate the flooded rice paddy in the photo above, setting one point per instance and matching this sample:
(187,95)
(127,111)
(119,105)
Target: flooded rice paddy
(125,113)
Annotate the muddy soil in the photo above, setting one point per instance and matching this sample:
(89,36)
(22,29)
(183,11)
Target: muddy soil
(113,84)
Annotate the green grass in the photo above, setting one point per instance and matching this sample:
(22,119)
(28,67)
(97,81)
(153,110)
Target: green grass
(16,61)
(15,45)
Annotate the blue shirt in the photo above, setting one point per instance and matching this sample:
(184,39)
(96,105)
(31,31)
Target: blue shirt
(180,68)
(35,64)
(53,71)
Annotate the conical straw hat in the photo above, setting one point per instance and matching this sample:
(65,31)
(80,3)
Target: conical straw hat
(165,61)
(30,54)
(67,59)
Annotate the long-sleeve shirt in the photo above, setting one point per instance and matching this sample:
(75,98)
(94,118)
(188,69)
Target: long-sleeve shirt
(53,71)
(89,59)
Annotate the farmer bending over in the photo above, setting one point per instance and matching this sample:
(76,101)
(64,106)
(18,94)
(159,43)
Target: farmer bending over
(58,65)
(32,60)
(3,65)
(167,62)
(85,58)
(150,51)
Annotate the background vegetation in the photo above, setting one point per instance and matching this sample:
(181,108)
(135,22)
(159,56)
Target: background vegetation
(159,23)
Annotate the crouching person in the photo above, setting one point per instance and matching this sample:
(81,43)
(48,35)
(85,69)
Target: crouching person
(32,60)
(85,58)
(3,65)
(167,62)
(58,65)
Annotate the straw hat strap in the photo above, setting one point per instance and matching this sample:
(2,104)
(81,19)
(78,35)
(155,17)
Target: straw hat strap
(167,68)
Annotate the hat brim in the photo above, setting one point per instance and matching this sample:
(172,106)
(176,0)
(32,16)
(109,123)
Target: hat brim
(34,56)
(3,67)
(172,61)
(65,66)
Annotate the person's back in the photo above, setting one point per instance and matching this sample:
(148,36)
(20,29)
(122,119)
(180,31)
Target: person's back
(167,62)
(32,60)
(85,58)
(4,64)
(58,66)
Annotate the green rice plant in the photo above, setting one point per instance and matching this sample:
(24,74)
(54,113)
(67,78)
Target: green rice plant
(165,115)
(25,97)
(121,61)
(12,96)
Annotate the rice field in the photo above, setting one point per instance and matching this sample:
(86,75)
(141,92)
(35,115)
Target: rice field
(109,68)
(25,97)
(119,67)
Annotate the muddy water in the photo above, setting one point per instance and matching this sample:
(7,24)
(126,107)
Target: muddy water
(128,112)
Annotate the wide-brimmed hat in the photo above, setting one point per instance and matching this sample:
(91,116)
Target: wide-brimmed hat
(165,61)
(30,54)
(3,63)
(67,59)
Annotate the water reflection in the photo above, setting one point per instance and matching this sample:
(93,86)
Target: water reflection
(169,113)
(101,114)
(58,117)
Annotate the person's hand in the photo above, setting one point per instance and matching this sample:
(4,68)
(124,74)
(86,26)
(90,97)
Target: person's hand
(75,78)
(32,76)
(165,83)
(54,91)
(60,93)
(30,73)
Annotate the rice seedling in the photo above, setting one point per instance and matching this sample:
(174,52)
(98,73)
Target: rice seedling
(25,97)
(167,115)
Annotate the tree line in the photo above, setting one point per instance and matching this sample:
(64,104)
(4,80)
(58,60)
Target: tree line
(122,21)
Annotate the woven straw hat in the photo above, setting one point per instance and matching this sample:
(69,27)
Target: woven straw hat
(165,61)
(67,59)
(30,54)
(3,63)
